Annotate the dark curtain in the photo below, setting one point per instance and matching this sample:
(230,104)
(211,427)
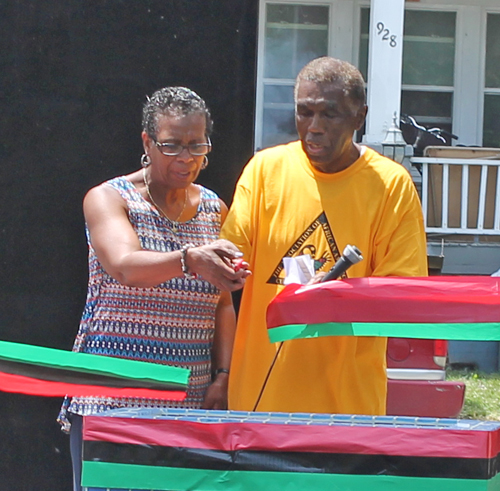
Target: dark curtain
(74,75)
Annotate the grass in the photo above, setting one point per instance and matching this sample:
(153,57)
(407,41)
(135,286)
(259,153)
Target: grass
(482,394)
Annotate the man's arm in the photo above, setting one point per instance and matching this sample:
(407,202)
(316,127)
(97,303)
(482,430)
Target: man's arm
(239,227)
(400,244)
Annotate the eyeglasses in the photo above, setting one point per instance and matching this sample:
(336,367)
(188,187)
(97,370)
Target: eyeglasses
(195,149)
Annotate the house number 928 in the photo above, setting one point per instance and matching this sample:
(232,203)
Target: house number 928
(386,35)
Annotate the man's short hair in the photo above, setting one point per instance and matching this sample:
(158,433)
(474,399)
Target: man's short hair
(327,70)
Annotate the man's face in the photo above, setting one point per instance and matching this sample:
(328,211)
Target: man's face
(326,120)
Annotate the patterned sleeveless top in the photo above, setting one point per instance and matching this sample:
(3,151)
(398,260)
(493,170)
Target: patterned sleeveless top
(171,323)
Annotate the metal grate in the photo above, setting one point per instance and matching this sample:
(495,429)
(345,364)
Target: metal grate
(308,419)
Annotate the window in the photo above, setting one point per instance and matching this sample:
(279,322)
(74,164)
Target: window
(428,64)
(293,36)
(491,119)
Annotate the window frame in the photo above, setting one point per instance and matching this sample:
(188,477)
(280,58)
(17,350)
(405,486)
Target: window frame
(340,20)
(483,89)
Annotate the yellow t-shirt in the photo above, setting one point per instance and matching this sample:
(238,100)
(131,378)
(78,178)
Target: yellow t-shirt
(284,207)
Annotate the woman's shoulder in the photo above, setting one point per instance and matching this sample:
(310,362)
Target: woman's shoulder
(119,192)
(209,200)
(126,186)
(120,183)
(206,193)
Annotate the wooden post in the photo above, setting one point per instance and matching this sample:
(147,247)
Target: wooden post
(384,67)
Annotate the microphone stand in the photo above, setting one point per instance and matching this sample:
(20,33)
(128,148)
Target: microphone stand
(350,256)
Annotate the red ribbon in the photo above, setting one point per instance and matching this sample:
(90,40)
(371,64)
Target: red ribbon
(37,387)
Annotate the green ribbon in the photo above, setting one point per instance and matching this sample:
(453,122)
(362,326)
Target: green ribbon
(96,364)
(483,331)
(130,476)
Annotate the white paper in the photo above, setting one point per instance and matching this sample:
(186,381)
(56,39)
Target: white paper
(298,269)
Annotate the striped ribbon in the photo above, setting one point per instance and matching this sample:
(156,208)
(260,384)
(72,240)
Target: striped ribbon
(458,308)
(229,451)
(41,371)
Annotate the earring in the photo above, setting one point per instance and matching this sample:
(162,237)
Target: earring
(145,160)
(204,164)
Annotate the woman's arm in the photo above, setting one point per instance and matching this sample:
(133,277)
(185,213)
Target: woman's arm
(225,327)
(119,251)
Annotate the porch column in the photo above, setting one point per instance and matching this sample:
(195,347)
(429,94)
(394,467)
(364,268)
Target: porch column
(385,63)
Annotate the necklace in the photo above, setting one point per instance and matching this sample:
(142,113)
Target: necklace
(174,223)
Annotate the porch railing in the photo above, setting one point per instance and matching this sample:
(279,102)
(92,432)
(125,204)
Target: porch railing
(460,196)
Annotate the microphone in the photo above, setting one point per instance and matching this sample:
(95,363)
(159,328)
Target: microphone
(350,256)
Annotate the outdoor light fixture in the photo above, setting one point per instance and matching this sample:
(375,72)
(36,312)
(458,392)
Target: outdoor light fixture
(394,145)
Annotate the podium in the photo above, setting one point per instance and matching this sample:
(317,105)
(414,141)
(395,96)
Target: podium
(180,449)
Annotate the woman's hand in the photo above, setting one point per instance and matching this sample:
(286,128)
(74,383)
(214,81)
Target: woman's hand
(218,263)
(216,394)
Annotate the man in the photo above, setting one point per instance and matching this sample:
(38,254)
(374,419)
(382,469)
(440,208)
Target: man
(314,196)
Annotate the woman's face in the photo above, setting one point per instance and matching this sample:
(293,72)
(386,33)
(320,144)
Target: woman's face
(176,172)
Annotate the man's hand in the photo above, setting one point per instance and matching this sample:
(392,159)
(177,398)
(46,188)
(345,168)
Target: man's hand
(215,263)
(316,279)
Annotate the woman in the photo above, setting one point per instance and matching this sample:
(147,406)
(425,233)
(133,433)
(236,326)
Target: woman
(156,266)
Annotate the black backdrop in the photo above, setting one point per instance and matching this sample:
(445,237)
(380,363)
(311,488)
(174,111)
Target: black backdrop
(73,77)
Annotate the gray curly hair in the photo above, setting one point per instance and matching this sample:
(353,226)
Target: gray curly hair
(327,69)
(173,101)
